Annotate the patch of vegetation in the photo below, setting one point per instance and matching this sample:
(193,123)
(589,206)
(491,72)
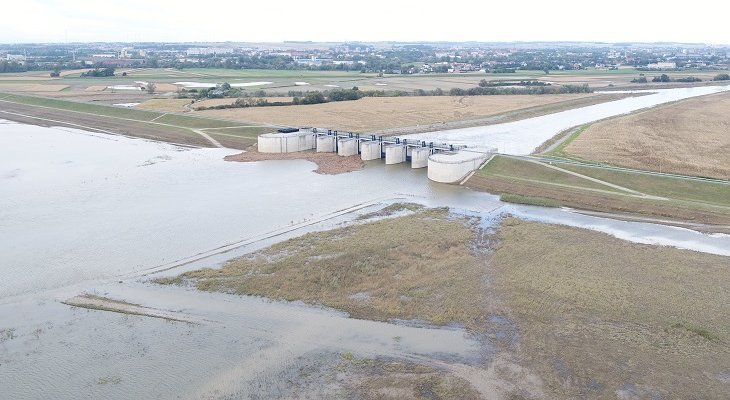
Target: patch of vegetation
(559,150)
(392,209)
(721,77)
(595,309)
(418,266)
(697,331)
(7,334)
(172,280)
(529,200)
(373,378)
(109,380)
(98,73)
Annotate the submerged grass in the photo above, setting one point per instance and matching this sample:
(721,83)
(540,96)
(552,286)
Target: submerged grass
(414,267)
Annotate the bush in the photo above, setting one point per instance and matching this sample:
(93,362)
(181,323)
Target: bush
(721,77)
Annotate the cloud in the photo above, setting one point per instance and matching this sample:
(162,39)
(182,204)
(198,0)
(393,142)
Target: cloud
(374,20)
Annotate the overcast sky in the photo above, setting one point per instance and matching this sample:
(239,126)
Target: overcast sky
(367,20)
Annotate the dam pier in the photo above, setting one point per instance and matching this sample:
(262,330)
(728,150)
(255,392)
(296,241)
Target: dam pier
(446,163)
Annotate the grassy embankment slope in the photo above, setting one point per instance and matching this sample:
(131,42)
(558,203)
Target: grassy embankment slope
(689,137)
(605,190)
(175,128)
(593,316)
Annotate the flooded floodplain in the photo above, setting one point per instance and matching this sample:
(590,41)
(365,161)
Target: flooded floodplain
(91,213)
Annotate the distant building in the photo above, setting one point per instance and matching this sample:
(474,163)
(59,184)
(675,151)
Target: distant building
(206,51)
(662,65)
(19,58)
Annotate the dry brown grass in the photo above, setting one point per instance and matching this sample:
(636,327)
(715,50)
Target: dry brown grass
(165,105)
(414,267)
(601,317)
(375,113)
(691,137)
(19,87)
(95,88)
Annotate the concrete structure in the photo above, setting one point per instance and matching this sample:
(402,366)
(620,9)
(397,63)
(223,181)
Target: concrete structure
(419,157)
(326,144)
(451,167)
(347,147)
(286,142)
(370,151)
(395,153)
(447,163)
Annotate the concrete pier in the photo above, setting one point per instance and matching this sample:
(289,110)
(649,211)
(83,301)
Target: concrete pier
(347,147)
(370,151)
(395,153)
(286,142)
(419,157)
(326,144)
(453,166)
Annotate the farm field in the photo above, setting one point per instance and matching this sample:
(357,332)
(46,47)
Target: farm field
(690,137)
(378,113)
(280,82)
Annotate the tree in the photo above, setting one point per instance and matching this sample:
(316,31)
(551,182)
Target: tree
(56,72)
(226,86)
(151,87)
(662,78)
(721,77)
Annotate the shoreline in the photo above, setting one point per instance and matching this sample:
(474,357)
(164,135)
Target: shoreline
(327,163)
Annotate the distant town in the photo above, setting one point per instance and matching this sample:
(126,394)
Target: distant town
(382,57)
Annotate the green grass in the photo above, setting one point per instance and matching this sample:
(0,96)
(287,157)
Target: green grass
(246,131)
(183,121)
(529,200)
(525,171)
(559,150)
(98,109)
(674,188)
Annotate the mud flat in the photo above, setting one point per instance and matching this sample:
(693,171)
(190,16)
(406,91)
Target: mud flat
(327,163)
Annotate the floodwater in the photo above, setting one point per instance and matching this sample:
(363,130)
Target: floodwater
(522,137)
(87,212)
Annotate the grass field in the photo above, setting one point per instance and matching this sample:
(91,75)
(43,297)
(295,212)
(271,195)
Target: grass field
(608,190)
(377,113)
(175,128)
(603,318)
(689,137)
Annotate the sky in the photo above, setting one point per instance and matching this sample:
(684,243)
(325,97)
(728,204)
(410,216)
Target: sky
(370,20)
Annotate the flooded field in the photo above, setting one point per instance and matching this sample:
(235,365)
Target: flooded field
(91,213)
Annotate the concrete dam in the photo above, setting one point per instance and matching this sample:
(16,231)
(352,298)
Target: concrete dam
(446,163)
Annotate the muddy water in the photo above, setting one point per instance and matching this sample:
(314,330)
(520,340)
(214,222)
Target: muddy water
(77,206)
(83,212)
(522,137)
